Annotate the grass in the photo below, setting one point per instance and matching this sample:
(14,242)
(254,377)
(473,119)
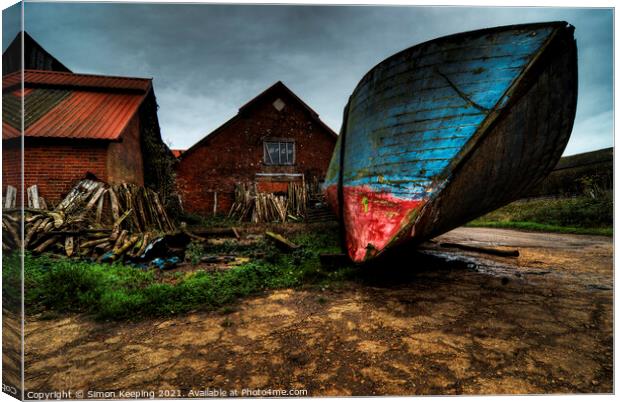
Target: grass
(122,292)
(580,215)
(11,283)
(116,292)
(218,220)
(194,252)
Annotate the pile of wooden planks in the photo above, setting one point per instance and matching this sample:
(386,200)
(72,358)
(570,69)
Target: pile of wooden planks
(94,220)
(297,199)
(256,207)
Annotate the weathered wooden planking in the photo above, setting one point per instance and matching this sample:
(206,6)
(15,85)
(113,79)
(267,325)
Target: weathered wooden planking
(418,117)
(33,197)
(11,197)
(378,120)
(519,150)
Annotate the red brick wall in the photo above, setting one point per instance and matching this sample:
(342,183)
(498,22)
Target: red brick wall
(11,165)
(124,162)
(234,153)
(54,166)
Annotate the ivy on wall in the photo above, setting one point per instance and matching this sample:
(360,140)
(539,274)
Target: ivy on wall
(158,160)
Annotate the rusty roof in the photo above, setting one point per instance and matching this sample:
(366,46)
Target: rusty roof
(67,105)
(60,78)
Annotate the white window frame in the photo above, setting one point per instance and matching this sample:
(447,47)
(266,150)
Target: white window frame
(281,142)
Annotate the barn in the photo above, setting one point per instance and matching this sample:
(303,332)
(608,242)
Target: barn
(274,139)
(76,126)
(79,125)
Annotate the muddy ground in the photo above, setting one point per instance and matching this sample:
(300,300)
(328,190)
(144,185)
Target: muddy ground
(441,321)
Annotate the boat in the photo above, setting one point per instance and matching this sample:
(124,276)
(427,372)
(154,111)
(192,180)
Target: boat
(450,129)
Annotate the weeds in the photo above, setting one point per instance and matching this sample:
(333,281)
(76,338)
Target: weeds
(123,292)
(194,252)
(588,214)
(208,221)
(11,282)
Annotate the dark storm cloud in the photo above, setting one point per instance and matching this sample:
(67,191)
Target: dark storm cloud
(208,60)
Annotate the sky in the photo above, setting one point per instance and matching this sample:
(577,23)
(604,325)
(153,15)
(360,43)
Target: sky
(207,60)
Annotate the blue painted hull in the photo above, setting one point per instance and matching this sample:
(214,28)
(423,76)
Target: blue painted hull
(418,117)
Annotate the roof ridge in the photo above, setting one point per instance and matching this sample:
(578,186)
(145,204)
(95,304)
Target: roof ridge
(314,115)
(280,84)
(76,80)
(118,77)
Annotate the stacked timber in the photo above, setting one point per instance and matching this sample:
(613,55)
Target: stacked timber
(297,199)
(257,207)
(94,220)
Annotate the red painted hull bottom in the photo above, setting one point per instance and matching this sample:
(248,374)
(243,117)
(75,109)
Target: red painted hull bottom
(372,220)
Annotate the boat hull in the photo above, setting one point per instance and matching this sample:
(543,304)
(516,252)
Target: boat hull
(413,163)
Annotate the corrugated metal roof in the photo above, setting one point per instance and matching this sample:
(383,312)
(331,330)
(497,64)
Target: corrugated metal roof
(65,105)
(11,80)
(20,92)
(58,78)
(37,103)
(9,131)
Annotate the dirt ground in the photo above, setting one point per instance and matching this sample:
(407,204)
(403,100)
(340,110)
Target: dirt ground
(438,321)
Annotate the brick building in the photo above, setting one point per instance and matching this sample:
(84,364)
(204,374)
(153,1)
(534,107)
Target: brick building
(274,139)
(77,125)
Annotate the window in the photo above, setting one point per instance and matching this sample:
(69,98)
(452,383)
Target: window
(279,152)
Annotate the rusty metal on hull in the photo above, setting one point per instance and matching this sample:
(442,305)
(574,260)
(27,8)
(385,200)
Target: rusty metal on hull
(448,130)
